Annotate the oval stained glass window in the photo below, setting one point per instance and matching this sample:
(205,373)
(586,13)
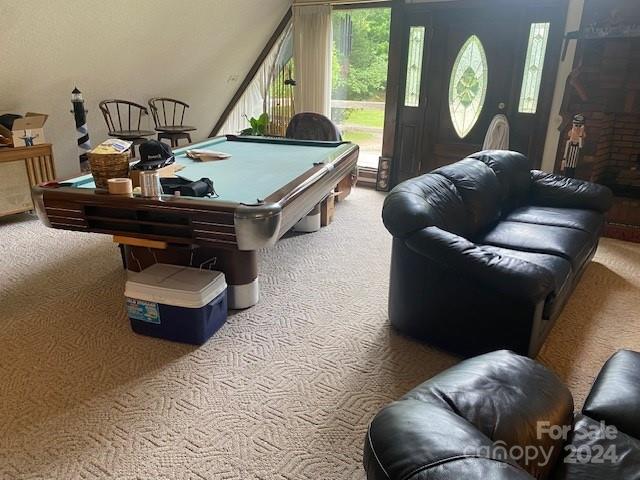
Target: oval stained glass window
(468,86)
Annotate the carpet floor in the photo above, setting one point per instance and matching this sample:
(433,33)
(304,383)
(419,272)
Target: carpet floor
(284,390)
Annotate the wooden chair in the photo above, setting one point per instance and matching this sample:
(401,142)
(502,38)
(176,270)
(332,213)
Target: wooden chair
(123,119)
(168,116)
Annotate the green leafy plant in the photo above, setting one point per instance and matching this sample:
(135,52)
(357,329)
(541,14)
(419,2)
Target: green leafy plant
(360,64)
(258,125)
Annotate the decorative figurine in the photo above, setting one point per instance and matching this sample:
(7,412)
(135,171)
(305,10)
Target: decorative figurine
(573,146)
(80,115)
(28,138)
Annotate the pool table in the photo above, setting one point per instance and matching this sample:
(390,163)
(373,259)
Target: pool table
(264,189)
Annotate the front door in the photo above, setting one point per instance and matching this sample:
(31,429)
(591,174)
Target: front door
(463,65)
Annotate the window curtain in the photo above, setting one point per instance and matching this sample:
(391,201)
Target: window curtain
(312,58)
(254,99)
(250,104)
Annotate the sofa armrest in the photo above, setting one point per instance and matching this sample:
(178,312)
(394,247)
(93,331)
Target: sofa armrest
(497,400)
(513,276)
(414,440)
(550,190)
(615,395)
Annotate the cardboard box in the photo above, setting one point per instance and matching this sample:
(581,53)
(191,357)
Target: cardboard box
(29,131)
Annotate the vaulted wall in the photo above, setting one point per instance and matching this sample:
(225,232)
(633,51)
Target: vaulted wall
(195,50)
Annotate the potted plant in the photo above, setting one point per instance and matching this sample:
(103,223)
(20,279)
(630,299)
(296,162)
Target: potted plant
(258,125)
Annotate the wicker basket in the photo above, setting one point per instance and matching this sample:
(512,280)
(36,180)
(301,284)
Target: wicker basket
(106,166)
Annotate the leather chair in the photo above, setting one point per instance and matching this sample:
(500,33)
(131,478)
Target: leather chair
(315,126)
(501,416)
(312,126)
(486,251)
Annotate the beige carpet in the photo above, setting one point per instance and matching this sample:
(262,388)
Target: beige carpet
(284,391)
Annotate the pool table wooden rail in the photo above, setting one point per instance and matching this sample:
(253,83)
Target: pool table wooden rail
(193,221)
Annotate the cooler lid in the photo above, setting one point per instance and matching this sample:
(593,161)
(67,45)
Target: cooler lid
(176,285)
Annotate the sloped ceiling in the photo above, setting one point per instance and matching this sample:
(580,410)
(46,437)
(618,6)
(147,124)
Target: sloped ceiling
(195,50)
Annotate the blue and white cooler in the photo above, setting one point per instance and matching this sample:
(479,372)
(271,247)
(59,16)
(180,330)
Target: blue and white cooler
(178,303)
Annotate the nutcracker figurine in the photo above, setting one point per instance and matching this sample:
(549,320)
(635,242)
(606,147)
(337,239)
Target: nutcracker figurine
(573,147)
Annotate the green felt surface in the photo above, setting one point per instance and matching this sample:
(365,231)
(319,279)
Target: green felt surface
(254,171)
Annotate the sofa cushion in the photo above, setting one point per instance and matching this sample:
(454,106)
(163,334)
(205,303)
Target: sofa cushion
(507,274)
(559,267)
(589,454)
(587,220)
(479,189)
(552,190)
(513,171)
(569,243)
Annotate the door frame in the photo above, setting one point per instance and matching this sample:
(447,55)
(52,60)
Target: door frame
(402,16)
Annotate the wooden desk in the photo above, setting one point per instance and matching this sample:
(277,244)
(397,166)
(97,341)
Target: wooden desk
(20,169)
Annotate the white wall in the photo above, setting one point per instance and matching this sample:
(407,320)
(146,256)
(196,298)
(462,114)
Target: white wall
(195,50)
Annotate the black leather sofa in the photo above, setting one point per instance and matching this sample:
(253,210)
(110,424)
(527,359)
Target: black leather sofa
(487,251)
(477,420)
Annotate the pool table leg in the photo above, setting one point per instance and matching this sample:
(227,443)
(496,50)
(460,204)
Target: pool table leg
(244,296)
(240,267)
(309,223)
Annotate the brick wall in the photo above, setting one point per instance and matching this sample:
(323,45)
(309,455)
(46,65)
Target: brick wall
(616,159)
(609,74)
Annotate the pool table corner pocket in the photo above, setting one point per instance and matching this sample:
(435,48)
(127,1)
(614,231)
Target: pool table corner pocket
(257,226)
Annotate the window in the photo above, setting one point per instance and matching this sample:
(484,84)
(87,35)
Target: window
(533,65)
(414,67)
(468,86)
(359,83)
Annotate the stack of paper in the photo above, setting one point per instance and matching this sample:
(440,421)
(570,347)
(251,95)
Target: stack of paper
(200,155)
(111,146)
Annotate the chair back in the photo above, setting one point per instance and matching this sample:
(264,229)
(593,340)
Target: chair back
(312,126)
(122,115)
(167,112)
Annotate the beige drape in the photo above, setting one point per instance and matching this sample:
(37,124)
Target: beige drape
(254,99)
(312,58)
(250,104)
